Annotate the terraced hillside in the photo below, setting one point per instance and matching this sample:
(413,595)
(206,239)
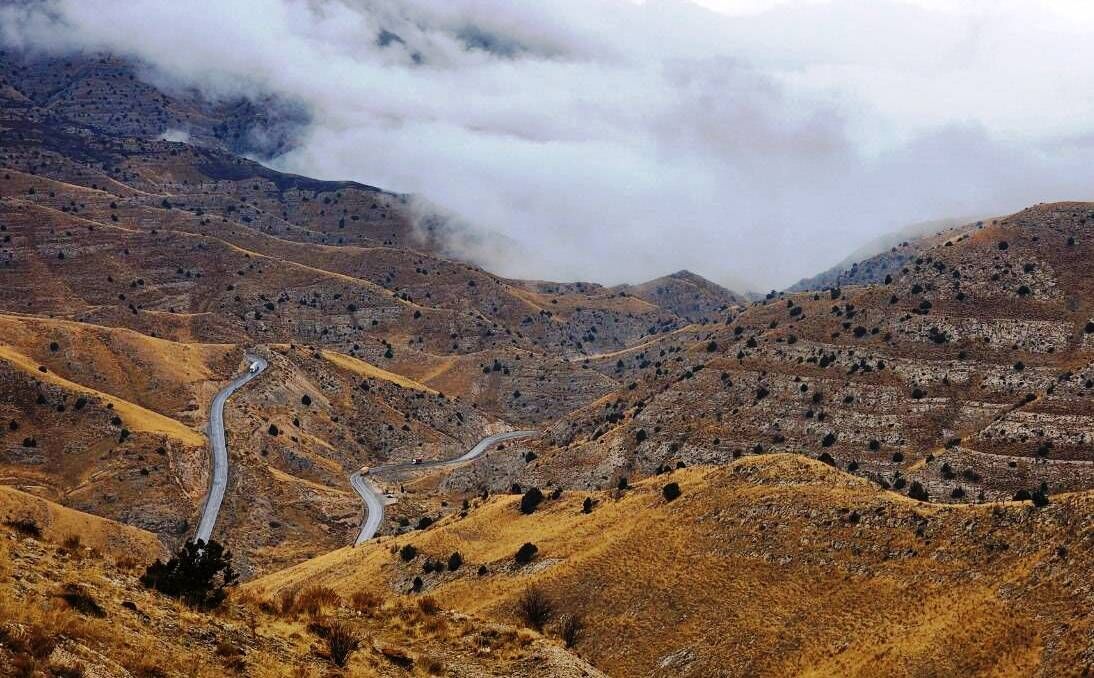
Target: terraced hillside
(970,372)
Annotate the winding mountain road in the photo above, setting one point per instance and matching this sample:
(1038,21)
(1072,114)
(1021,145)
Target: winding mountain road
(219,449)
(374,502)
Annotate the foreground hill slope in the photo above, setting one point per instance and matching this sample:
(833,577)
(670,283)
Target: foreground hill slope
(72,605)
(772,565)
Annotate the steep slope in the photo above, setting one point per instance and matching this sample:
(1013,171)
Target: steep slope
(772,565)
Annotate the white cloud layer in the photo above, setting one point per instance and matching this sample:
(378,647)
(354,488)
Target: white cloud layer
(613,140)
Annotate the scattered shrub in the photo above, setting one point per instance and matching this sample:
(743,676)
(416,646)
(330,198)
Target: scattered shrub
(526,553)
(918,492)
(197,574)
(531,499)
(1040,496)
(454,561)
(671,491)
(408,553)
(587,505)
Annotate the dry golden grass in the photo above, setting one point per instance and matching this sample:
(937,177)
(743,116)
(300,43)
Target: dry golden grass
(111,358)
(774,565)
(136,417)
(60,613)
(60,525)
(364,369)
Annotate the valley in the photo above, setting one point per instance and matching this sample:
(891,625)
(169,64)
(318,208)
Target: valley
(889,475)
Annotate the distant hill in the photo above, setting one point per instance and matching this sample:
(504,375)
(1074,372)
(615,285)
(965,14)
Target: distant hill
(687,295)
(882,256)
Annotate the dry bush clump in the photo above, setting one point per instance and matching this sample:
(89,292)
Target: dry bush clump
(287,601)
(429,605)
(30,646)
(534,608)
(72,545)
(147,669)
(26,527)
(365,601)
(432,666)
(66,671)
(127,563)
(570,629)
(410,614)
(315,599)
(342,642)
(81,600)
(232,655)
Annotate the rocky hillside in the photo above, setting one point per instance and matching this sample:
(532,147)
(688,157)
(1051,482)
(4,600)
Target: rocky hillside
(970,372)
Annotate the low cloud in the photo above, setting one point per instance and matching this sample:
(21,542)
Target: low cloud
(616,141)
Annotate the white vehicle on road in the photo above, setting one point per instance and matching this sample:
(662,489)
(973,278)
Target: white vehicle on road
(254,368)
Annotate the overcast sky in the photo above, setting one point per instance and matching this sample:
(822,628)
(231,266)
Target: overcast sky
(613,140)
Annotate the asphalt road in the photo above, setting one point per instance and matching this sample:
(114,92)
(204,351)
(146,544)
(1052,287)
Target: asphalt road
(219,449)
(373,499)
